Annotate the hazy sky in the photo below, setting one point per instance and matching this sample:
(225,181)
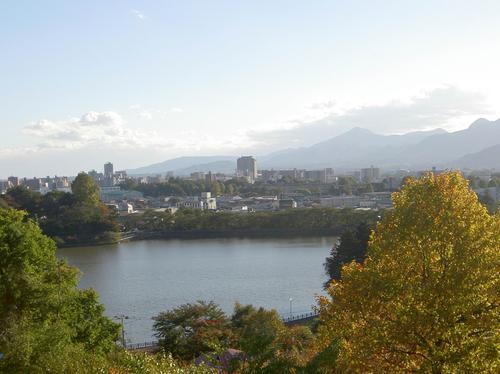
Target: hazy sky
(136,82)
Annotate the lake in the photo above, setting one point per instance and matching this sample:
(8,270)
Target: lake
(142,278)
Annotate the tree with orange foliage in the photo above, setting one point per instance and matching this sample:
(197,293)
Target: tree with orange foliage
(427,296)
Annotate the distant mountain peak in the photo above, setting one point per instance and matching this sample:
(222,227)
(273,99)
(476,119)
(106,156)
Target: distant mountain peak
(439,130)
(480,122)
(359,130)
(359,147)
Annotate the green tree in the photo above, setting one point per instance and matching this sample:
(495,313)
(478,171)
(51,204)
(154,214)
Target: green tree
(192,329)
(257,330)
(427,296)
(271,346)
(230,189)
(127,362)
(352,246)
(217,188)
(488,201)
(20,197)
(129,184)
(68,218)
(346,185)
(85,189)
(44,319)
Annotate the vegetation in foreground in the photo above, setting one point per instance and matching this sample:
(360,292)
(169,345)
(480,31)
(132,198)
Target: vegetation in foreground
(425,298)
(45,321)
(258,338)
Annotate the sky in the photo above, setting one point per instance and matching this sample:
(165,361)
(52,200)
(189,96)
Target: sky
(139,82)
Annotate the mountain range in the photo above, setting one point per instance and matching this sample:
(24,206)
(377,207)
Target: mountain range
(478,146)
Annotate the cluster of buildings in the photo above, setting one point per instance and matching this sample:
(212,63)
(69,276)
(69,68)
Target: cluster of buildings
(129,201)
(246,167)
(203,202)
(367,200)
(42,185)
(209,177)
(370,200)
(290,196)
(109,177)
(322,175)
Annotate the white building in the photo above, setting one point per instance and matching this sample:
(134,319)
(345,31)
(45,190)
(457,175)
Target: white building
(205,202)
(125,207)
(209,201)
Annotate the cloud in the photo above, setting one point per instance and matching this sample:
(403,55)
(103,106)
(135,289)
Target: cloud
(329,104)
(108,133)
(146,115)
(440,107)
(108,130)
(92,128)
(138,14)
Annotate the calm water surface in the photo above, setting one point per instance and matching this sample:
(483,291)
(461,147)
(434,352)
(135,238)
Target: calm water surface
(141,279)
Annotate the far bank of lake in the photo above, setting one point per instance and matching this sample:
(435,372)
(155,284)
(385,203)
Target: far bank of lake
(142,278)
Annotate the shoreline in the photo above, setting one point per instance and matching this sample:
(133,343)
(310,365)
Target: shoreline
(209,234)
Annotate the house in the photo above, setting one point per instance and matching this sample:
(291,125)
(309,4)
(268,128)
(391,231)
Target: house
(125,208)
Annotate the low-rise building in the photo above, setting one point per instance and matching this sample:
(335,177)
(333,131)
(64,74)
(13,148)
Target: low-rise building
(209,201)
(14,181)
(124,208)
(377,199)
(204,202)
(340,201)
(283,204)
(115,193)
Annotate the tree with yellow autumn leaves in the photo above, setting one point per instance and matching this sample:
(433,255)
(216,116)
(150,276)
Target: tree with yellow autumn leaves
(427,296)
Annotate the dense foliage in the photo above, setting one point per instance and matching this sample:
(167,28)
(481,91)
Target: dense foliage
(265,343)
(424,295)
(45,321)
(352,246)
(185,187)
(298,221)
(192,329)
(477,182)
(239,186)
(427,296)
(146,363)
(68,218)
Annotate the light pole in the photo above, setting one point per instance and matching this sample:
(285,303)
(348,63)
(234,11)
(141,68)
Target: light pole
(290,299)
(121,317)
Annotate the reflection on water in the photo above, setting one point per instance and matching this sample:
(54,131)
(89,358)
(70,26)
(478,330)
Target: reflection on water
(140,279)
